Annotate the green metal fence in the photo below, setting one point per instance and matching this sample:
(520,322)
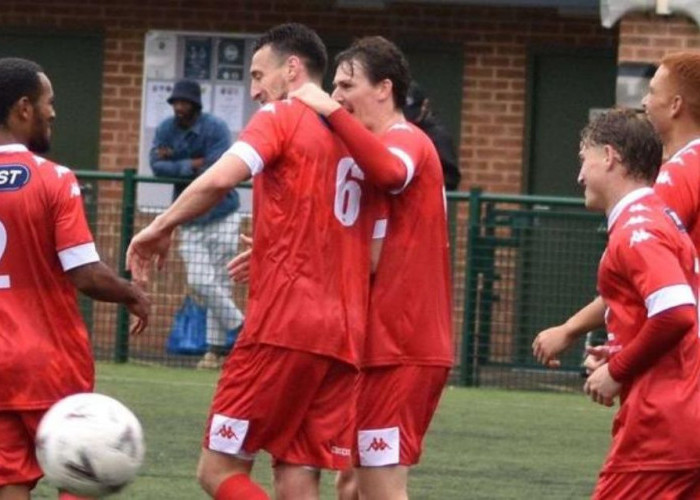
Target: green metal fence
(520,264)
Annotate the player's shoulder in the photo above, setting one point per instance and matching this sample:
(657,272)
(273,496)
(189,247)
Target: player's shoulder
(646,220)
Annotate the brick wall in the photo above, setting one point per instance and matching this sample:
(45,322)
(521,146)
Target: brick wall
(495,42)
(648,37)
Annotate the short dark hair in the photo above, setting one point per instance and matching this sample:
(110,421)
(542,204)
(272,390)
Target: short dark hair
(632,135)
(299,40)
(18,78)
(381,59)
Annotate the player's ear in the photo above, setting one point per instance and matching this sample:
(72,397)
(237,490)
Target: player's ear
(676,105)
(385,89)
(612,156)
(23,107)
(294,67)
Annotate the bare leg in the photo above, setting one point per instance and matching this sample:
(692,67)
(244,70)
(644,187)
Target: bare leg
(294,482)
(346,485)
(383,483)
(14,492)
(215,467)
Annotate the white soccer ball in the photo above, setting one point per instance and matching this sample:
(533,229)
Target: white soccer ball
(90,445)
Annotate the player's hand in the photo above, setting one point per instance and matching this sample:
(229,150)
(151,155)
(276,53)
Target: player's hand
(549,343)
(601,387)
(149,244)
(239,266)
(316,98)
(139,307)
(595,358)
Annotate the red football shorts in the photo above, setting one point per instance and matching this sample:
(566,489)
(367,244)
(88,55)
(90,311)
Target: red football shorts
(18,464)
(298,406)
(394,408)
(648,485)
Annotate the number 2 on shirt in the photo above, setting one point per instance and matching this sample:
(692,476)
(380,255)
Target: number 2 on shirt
(4,278)
(347,191)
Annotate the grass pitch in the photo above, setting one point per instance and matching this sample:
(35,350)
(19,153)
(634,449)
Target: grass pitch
(483,444)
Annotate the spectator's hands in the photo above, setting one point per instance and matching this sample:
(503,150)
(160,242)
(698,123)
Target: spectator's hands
(239,266)
(549,344)
(197,164)
(149,244)
(601,387)
(164,152)
(139,307)
(316,98)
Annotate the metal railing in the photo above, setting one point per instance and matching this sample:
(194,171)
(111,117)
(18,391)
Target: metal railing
(520,264)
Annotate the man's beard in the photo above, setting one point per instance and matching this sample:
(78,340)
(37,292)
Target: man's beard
(39,142)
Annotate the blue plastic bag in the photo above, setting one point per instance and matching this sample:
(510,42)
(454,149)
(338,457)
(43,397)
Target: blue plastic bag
(188,334)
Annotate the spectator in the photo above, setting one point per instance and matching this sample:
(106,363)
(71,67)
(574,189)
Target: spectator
(419,112)
(185,145)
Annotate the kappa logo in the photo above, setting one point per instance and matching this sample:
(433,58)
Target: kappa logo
(61,171)
(639,207)
(639,236)
(637,219)
(378,444)
(74,190)
(226,431)
(664,178)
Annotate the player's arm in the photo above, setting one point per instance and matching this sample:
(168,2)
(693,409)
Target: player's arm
(549,343)
(99,282)
(200,196)
(659,335)
(382,168)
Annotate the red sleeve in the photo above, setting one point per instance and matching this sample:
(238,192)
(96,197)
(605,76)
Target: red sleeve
(73,239)
(263,135)
(659,335)
(646,258)
(69,216)
(382,168)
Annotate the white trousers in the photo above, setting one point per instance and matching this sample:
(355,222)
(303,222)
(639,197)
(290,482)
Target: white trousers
(206,249)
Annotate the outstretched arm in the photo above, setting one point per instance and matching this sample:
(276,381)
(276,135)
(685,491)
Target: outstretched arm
(553,341)
(153,242)
(100,282)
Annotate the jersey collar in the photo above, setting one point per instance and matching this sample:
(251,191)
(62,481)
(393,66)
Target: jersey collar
(13,148)
(627,200)
(685,148)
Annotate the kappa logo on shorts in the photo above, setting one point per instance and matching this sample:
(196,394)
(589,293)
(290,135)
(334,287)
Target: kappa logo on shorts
(378,444)
(379,447)
(227,434)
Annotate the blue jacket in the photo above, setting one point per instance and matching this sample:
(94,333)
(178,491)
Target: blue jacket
(207,138)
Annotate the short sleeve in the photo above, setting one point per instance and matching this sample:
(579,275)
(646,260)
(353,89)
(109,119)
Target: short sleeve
(260,143)
(74,243)
(651,265)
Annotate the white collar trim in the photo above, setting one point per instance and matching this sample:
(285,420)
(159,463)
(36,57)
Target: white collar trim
(627,200)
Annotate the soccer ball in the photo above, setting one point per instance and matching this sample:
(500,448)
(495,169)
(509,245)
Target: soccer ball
(90,445)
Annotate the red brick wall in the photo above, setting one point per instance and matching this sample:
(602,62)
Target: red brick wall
(648,37)
(495,44)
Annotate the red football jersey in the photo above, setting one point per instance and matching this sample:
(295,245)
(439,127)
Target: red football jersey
(309,281)
(678,185)
(649,266)
(44,348)
(410,304)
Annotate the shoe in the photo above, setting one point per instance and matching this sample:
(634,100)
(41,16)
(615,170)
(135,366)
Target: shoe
(210,361)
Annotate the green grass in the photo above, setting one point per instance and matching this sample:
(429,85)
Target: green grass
(483,444)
